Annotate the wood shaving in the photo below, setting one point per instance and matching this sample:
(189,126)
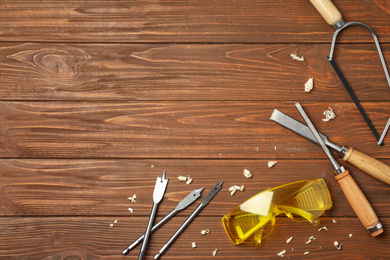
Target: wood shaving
(334,221)
(193,244)
(215,252)
(152,166)
(272,164)
(307,252)
(309,85)
(289,240)
(235,188)
(189,180)
(204,232)
(337,245)
(295,57)
(322,229)
(310,239)
(111,225)
(350,235)
(132,199)
(116,221)
(281,254)
(182,178)
(131,210)
(247,173)
(329,114)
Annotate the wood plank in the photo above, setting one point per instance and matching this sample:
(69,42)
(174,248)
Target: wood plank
(101,187)
(188,72)
(92,238)
(185,21)
(178,130)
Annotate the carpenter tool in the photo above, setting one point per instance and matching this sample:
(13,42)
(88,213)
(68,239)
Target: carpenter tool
(333,17)
(203,204)
(364,162)
(355,196)
(191,198)
(158,194)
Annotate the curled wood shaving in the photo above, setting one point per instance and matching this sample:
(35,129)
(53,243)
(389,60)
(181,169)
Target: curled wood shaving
(247,173)
(310,239)
(131,210)
(329,114)
(235,188)
(204,232)
(322,229)
(295,57)
(337,245)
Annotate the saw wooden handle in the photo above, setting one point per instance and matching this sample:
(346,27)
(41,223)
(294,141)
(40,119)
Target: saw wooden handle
(328,11)
(368,164)
(359,202)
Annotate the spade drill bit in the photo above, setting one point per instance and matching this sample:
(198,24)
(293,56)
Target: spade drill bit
(158,194)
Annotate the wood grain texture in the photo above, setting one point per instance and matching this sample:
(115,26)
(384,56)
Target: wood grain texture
(92,238)
(101,187)
(218,21)
(188,72)
(178,130)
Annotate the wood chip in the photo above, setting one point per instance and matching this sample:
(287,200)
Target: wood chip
(334,221)
(131,210)
(295,57)
(322,229)
(193,244)
(309,85)
(289,240)
(204,232)
(337,245)
(215,252)
(310,239)
(272,164)
(281,254)
(247,173)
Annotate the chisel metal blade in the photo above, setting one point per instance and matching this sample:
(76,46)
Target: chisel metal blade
(301,129)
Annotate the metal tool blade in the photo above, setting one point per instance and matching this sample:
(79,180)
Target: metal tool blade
(194,195)
(301,129)
(335,165)
(211,194)
(159,188)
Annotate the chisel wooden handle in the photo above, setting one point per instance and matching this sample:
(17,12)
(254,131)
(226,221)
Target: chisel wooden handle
(359,203)
(328,11)
(368,164)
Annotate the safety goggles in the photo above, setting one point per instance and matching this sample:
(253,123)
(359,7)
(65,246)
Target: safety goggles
(300,201)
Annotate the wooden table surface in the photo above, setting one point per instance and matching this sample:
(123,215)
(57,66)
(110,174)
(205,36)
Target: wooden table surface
(99,97)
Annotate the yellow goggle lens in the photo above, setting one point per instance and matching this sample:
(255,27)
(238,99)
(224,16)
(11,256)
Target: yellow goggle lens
(300,201)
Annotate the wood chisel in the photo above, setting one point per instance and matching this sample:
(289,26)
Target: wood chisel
(158,194)
(203,204)
(364,162)
(353,193)
(191,198)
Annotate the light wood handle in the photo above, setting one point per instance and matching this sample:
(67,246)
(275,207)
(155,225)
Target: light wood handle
(328,11)
(368,164)
(358,202)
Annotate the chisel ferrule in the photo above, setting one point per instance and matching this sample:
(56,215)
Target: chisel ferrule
(339,170)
